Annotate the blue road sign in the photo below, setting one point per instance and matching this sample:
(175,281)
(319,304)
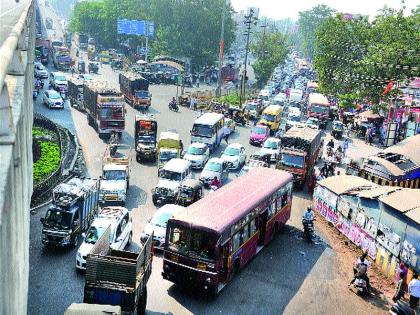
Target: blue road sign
(122,26)
(140,28)
(151,29)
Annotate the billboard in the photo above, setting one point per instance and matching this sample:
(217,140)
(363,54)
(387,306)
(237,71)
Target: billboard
(135,27)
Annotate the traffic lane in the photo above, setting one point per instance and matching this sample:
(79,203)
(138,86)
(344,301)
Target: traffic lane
(54,282)
(9,16)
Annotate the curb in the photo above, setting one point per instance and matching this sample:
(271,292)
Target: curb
(73,162)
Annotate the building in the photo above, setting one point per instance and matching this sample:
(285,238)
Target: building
(17,40)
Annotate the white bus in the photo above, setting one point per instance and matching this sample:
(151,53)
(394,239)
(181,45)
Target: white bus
(208,129)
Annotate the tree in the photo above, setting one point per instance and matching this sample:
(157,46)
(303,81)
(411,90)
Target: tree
(308,23)
(271,50)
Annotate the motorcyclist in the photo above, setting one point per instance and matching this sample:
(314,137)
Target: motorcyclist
(215,182)
(173,103)
(360,270)
(331,143)
(308,216)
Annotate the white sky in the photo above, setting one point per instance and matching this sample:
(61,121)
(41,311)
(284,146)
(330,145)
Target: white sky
(279,9)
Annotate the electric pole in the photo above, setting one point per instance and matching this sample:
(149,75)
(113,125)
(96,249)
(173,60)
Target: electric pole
(221,49)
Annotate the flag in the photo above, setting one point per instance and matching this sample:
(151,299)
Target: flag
(388,87)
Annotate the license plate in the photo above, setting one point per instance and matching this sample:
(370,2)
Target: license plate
(111,197)
(201,266)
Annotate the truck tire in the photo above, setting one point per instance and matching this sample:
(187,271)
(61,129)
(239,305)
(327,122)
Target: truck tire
(141,306)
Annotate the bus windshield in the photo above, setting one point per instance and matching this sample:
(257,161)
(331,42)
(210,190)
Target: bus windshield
(268,117)
(292,160)
(111,112)
(319,109)
(202,131)
(193,243)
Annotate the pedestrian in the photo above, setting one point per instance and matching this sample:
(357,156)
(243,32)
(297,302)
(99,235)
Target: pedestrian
(226,134)
(414,291)
(402,269)
(399,290)
(345,146)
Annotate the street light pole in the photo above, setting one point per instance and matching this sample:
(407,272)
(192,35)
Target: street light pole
(222,48)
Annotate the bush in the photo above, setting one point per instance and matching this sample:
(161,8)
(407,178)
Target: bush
(50,155)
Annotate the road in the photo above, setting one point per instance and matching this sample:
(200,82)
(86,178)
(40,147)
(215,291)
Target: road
(289,276)
(9,15)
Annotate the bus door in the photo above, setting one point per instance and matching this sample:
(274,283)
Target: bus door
(224,260)
(262,226)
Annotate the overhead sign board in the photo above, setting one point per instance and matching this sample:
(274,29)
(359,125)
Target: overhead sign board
(135,27)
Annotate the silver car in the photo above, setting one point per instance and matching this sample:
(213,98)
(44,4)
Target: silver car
(52,99)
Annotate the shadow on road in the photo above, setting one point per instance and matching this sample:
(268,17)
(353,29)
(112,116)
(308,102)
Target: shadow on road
(267,283)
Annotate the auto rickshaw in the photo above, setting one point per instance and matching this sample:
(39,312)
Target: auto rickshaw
(337,129)
(189,192)
(93,67)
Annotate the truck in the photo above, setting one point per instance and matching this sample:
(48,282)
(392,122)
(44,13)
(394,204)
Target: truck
(145,134)
(319,107)
(61,58)
(118,277)
(42,50)
(80,40)
(75,92)
(135,89)
(115,178)
(105,107)
(300,150)
(73,208)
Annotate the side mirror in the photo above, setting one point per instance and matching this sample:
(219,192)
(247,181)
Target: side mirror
(83,235)
(42,220)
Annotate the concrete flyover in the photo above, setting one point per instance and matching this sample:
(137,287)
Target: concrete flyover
(17,40)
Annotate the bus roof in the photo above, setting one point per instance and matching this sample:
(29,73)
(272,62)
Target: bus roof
(318,98)
(208,119)
(224,207)
(273,109)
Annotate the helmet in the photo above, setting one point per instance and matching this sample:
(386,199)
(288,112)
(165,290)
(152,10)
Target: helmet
(309,208)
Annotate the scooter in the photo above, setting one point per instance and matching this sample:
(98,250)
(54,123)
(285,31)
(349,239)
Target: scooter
(62,93)
(359,286)
(173,107)
(308,230)
(34,94)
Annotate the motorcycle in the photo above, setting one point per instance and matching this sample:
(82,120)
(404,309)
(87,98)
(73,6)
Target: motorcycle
(173,106)
(308,230)
(359,286)
(239,120)
(34,94)
(338,155)
(63,93)
(329,151)
(401,308)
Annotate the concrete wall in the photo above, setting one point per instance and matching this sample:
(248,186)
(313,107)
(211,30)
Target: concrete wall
(16,85)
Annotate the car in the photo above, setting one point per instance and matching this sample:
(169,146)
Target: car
(272,147)
(121,232)
(198,154)
(40,71)
(53,99)
(259,134)
(234,155)
(157,225)
(58,80)
(215,167)
(312,122)
(229,123)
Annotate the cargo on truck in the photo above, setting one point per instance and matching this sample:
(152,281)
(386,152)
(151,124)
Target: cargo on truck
(145,134)
(104,106)
(75,92)
(135,89)
(118,277)
(115,178)
(61,58)
(169,147)
(300,150)
(73,208)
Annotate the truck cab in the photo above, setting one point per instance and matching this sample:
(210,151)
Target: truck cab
(145,138)
(73,208)
(115,178)
(170,178)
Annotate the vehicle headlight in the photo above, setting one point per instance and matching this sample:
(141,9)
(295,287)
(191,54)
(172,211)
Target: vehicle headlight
(121,192)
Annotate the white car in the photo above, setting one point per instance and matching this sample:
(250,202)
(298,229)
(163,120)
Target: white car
(58,80)
(157,225)
(121,232)
(215,167)
(40,70)
(198,154)
(272,147)
(53,99)
(234,155)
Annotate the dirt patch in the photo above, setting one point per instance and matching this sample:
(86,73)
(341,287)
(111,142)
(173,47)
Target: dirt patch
(347,253)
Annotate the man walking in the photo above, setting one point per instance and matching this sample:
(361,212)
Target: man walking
(226,134)
(414,291)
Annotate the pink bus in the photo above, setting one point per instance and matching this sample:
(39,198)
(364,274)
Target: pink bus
(209,242)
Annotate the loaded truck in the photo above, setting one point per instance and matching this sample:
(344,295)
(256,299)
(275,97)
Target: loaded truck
(61,58)
(135,89)
(145,134)
(104,107)
(319,107)
(75,92)
(300,151)
(74,206)
(115,178)
(118,277)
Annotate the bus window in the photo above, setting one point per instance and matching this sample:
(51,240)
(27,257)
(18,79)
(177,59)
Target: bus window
(236,242)
(252,227)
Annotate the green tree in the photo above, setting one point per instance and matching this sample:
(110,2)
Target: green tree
(271,50)
(308,23)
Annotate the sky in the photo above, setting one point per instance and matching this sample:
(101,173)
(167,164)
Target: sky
(280,9)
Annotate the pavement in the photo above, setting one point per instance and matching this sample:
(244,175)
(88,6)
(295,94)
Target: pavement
(289,276)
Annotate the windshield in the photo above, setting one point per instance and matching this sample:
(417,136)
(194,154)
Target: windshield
(231,151)
(146,139)
(94,233)
(294,118)
(292,160)
(186,192)
(169,175)
(114,175)
(319,109)
(111,112)
(59,219)
(196,151)
(60,78)
(267,117)
(193,243)
(202,131)
(270,145)
(263,97)
(54,95)
(214,167)
(161,219)
(252,106)
(167,155)
(142,94)
(338,126)
(259,130)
